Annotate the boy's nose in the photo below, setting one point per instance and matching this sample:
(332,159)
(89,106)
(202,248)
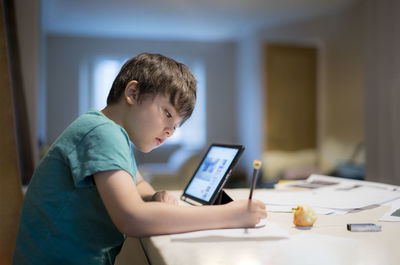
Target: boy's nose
(168,132)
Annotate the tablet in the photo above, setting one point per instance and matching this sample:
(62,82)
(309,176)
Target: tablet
(211,175)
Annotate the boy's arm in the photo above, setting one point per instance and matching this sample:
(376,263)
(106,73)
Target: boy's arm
(147,192)
(134,217)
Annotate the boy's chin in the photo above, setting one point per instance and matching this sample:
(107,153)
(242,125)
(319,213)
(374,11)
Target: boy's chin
(144,148)
(147,149)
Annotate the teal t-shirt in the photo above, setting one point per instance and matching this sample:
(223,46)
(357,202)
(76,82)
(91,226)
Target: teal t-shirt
(63,219)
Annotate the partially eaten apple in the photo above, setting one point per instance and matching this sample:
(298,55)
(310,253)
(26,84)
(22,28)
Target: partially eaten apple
(304,215)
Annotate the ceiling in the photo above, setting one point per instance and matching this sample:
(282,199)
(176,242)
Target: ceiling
(178,19)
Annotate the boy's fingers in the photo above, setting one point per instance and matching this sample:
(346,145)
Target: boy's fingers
(260,203)
(256,204)
(260,208)
(164,196)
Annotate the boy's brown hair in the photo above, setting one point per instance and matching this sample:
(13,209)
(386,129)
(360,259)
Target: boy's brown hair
(157,74)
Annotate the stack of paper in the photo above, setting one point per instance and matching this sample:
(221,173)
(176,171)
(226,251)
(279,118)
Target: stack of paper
(336,196)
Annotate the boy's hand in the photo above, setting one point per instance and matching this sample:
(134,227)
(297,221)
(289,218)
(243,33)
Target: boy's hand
(164,196)
(248,212)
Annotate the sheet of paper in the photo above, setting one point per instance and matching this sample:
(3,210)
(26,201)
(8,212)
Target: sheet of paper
(336,199)
(265,229)
(393,215)
(288,209)
(316,181)
(344,182)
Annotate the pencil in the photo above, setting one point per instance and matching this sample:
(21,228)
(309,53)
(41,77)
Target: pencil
(256,166)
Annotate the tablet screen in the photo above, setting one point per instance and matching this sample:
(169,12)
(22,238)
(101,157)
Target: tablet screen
(212,171)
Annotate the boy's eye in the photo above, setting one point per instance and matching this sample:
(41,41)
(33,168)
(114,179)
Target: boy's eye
(168,114)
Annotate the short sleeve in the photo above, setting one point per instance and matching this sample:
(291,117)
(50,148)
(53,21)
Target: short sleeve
(105,147)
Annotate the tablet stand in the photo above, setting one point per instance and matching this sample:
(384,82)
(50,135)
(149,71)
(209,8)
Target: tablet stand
(222,198)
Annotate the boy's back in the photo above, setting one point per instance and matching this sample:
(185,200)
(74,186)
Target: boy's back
(63,212)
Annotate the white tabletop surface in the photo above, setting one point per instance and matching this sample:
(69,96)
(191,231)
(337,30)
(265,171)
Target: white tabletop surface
(327,242)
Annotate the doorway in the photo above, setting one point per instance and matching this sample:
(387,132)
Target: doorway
(290,125)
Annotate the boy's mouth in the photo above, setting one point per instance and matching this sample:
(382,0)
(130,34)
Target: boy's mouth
(159,141)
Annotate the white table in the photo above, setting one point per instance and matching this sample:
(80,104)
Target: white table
(327,242)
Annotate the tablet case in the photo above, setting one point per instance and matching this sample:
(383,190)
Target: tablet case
(223,198)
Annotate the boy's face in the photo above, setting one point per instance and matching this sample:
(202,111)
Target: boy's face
(150,122)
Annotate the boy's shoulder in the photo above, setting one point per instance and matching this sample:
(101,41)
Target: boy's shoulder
(92,123)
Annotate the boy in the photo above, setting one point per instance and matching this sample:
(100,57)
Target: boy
(86,194)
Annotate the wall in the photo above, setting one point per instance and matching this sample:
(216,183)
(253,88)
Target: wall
(382,90)
(65,53)
(249,101)
(339,39)
(28,32)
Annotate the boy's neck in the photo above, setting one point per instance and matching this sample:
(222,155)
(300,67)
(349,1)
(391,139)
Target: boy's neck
(113,113)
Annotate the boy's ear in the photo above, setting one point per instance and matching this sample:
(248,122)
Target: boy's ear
(131,92)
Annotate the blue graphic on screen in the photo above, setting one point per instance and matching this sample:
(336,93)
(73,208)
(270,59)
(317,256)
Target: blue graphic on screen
(211,171)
